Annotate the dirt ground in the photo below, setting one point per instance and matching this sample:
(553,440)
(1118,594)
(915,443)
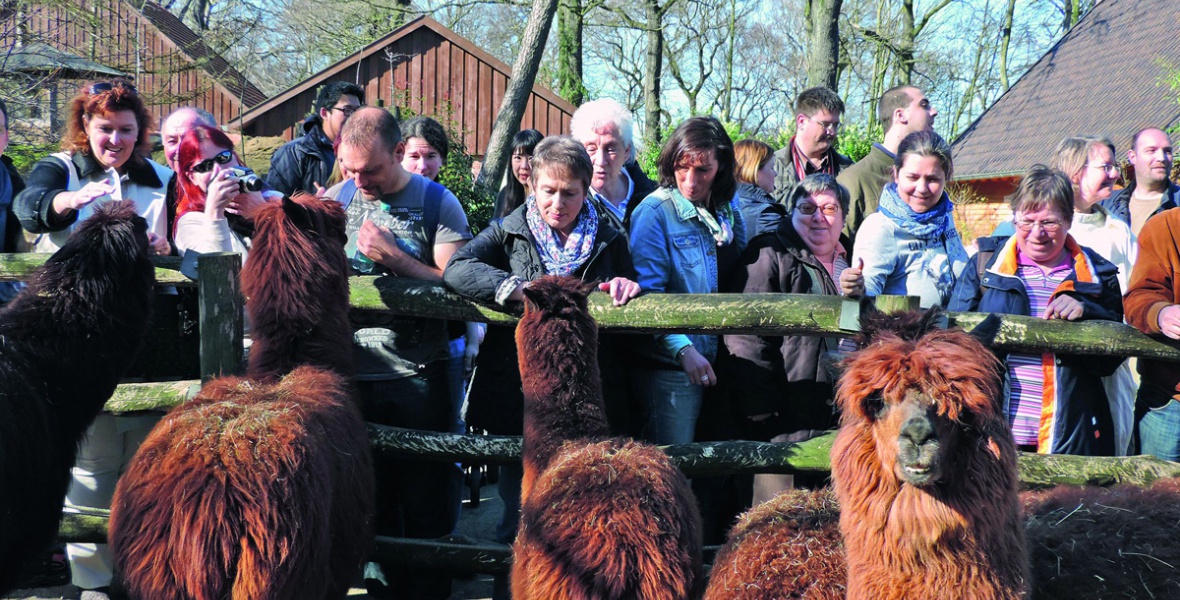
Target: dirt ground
(479,523)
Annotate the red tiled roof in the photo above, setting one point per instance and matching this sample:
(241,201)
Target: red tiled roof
(1104,77)
(192,45)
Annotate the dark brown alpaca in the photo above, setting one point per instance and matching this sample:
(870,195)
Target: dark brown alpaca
(600,518)
(261,487)
(65,341)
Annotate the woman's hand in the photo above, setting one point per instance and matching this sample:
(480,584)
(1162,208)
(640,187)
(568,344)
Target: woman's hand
(68,201)
(245,204)
(1064,307)
(158,245)
(222,190)
(852,279)
(697,367)
(621,289)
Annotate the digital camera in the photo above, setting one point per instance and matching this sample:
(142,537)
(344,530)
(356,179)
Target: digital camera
(247,180)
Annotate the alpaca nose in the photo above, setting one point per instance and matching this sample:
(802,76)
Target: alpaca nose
(918,430)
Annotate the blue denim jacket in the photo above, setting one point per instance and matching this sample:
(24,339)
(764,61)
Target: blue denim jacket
(674,253)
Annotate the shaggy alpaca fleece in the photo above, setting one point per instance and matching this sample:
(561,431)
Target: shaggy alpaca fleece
(960,531)
(65,341)
(789,547)
(600,518)
(261,489)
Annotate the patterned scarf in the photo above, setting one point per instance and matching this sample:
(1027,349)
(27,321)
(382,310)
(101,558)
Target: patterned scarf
(721,226)
(929,225)
(801,161)
(562,259)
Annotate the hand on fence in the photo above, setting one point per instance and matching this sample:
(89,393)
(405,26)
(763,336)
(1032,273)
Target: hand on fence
(158,245)
(1064,307)
(621,289)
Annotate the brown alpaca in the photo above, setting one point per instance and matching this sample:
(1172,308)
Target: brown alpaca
(65,341)
(261,488)
(600,518)
(925,472)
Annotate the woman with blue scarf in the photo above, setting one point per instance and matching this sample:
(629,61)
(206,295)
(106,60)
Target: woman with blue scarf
(555,232)
(910,247)
(686,237)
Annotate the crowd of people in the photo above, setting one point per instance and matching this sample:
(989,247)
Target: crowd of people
(721,217)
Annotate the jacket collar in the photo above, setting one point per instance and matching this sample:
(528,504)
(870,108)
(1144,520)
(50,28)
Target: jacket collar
(1085,272)
(139,170)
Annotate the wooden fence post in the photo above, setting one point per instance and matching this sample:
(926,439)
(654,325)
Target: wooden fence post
(220,298)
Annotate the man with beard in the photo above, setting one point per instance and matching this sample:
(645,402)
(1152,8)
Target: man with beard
(1151,192)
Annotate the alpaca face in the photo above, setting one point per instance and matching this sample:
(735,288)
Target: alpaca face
(923,441)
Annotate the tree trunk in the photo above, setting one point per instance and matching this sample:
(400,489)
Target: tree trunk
(1005,39)
(905,54)
(570,25)
(653,71)
(823,32)
(516,95)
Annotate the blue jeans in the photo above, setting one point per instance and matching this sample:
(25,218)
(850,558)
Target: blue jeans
(672,404)
(1159,432)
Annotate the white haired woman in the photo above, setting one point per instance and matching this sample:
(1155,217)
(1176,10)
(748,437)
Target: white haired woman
(604,128)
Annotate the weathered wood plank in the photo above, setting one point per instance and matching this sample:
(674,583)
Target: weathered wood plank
(221,314)
(17,267)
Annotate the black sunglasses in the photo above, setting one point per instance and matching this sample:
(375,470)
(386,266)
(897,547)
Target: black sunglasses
(106,86)
(206,165)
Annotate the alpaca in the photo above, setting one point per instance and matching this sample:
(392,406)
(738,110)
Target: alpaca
(924,469)
(273,471)
(600,517)
(65,341)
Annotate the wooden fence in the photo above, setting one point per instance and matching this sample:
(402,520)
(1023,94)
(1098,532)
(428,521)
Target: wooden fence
(767,314)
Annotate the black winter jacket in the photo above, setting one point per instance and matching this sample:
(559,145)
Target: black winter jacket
(504,249)
(303,162)
(12,228)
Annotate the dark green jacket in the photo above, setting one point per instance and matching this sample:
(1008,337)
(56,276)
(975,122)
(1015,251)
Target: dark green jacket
(864,182)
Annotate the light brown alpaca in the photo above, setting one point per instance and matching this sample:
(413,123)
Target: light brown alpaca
(600,518)
(925,472)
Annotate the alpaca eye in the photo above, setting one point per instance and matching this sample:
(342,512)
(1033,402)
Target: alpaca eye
(873,405)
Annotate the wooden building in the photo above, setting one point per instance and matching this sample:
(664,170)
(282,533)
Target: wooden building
(1104,77)
(169,63)
(426,68)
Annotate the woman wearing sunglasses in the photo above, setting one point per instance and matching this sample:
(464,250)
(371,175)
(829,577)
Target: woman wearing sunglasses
(213,212)
(104,157)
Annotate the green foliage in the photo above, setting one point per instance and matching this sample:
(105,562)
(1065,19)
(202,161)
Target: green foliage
(477,201)
(856,140)
(24,156)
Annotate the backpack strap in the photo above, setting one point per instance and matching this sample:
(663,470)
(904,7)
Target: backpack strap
(347,191)
(431,206)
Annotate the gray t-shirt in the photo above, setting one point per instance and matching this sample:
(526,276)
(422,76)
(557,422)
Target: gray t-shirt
(392,347)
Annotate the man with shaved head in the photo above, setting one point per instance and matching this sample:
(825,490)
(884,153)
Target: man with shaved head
(1151,192)
(401,224)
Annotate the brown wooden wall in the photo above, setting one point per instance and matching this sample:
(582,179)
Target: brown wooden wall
(429,75)
(129,42)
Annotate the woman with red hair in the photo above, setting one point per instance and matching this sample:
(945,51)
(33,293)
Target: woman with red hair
(213,211)
(104,159)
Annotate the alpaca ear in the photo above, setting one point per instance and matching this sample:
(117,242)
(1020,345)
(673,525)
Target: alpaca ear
(987,329)
(532,296)
(296,213)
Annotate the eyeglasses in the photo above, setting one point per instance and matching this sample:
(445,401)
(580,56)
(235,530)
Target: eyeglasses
(106,86)
(1108,167)
(347,110)
(1050,226)
(206,165)
(827,209)
(834,128)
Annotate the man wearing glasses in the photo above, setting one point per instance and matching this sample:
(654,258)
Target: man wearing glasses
(304,164)
(813,147)
(902,110)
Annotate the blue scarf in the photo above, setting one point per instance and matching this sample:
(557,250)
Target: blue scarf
(930,225)
(558,258)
